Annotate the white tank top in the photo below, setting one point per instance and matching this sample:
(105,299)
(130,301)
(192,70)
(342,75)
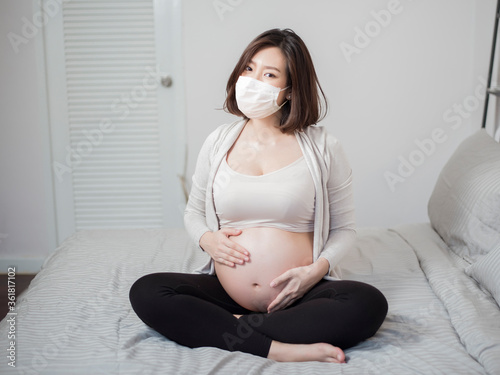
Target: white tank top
(282,199)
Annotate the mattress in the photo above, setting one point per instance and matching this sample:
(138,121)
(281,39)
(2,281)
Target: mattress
(75,318)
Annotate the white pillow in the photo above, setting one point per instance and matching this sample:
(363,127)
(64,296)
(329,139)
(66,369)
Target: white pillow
(486,271)
(464,207)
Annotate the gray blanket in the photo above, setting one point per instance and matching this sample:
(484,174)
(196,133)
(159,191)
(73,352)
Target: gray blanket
(75,318)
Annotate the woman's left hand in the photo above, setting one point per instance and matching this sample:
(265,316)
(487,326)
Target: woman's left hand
(298,281)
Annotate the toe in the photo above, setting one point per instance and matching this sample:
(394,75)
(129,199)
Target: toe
(339,355)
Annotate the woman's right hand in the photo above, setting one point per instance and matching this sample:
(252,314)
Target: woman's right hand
(222,249)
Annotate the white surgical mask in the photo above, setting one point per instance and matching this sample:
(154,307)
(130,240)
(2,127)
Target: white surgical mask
(257,99)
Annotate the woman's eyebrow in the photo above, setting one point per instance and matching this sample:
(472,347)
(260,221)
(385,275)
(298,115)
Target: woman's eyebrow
(266,66)
(272,67)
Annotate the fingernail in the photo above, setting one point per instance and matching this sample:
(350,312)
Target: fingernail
(247,259)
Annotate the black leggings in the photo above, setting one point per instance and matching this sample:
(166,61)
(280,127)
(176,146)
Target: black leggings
(194,310)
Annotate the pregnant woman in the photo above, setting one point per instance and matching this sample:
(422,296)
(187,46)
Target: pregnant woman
(271,204)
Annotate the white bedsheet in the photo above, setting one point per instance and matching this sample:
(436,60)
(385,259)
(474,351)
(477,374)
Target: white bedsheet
(76,318)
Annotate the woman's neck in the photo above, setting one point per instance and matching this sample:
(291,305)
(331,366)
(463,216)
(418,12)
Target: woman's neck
(265,130)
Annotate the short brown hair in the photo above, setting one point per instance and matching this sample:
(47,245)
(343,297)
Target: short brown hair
(308,104)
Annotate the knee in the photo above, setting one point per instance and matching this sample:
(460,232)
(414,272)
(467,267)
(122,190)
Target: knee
(381,309)
(381,303)
(375,301)
(369,304)
(376,306)
(142,292)
(136,291)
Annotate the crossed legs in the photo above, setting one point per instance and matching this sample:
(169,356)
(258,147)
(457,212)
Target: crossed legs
(194,310)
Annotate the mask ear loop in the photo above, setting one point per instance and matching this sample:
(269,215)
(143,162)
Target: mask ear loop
(286,101)
(287,98)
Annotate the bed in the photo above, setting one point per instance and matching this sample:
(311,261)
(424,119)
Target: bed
(441,279)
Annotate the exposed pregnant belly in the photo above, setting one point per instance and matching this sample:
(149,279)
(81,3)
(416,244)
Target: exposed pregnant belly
(272,252)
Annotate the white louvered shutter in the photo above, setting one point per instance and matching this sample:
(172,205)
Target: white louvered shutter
(111,79)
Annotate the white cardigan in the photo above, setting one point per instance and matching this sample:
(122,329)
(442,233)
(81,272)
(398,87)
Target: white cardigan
(334,222)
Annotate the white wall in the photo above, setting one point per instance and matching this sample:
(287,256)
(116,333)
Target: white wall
(394,92)
(27,224)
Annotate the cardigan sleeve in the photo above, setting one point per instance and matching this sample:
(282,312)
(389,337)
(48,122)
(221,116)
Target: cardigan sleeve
(342,228)
(195,220)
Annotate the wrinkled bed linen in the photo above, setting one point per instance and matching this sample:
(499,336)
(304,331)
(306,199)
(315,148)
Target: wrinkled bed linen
(75,318)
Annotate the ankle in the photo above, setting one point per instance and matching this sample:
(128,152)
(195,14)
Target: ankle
(277,351)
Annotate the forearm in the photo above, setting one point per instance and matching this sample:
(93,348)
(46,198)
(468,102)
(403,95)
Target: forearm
(337,246)
(318,270)
(196,226)
(206,241)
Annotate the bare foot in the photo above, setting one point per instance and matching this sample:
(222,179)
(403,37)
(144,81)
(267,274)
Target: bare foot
(237,316)
(321,352)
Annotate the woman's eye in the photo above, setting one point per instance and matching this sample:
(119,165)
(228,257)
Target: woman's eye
(270,75)
(248,69)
